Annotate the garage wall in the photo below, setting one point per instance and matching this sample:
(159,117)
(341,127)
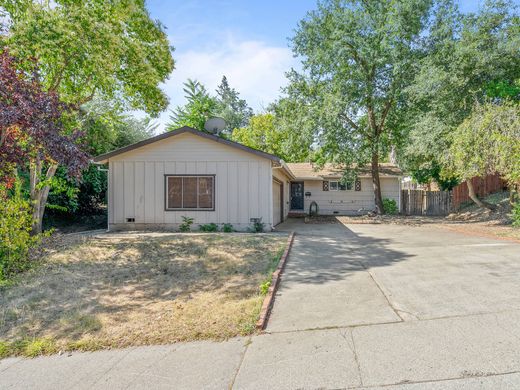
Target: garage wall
(137,185)
(349,202)
(281,176)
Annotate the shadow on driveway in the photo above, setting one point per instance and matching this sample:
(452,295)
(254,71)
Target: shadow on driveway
(325,283)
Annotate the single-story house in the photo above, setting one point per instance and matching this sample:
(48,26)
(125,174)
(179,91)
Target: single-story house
(186,172)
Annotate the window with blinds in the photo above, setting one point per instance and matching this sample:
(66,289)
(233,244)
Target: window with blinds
(190,192)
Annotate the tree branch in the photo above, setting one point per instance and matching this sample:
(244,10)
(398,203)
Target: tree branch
(386,110)
(86,99)
(3,136)
(350,121)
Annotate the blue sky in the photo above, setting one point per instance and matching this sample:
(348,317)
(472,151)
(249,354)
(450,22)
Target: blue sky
(243,39)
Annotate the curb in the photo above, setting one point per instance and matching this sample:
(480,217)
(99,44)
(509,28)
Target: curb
(275,281)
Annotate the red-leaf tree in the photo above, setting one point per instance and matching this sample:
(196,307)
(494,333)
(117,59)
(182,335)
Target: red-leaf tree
(33,133)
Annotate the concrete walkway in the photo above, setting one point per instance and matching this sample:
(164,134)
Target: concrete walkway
(361,306)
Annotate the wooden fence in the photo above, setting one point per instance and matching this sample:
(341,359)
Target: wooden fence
(421,202)
(483,187)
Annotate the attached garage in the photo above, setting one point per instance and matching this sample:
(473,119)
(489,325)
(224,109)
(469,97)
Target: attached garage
(277,202)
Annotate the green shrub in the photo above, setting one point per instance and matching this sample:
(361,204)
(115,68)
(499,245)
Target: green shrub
(257,227)
(185,226)
(264,287)
(390,206)
(228,228)
(209,227)
(15,232)
(516,214)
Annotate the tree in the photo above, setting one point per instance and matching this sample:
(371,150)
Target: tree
(32,128)
(358,57)
(87,48)
(263,134)
(105,128)
(199,108)
(231,108)
(487,142)
(471,58)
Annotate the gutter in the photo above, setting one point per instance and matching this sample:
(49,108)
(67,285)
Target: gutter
(286,168)
(99,165)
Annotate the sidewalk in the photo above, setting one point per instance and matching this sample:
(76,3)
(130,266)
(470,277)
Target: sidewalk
(471,352)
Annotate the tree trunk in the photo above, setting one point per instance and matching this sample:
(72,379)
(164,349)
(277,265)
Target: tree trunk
(513,194)
(39,193)
(376,183)
(474,197)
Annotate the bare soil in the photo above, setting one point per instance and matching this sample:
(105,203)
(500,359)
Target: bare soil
(470,219)
(123,290)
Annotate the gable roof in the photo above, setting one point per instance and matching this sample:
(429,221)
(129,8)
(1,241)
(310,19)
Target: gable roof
(186,129)
(307,171)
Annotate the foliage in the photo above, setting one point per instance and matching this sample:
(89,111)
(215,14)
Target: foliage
(264,287)
(209,227)
(105,128)
(231,107)
(256,227)
(87,48)
(200,107)
(298,129)
(31,122)
(470,58)
(487,142)
(228,228)
(357,59)
(390,206)
(15,232)
(263,134)
(185,226)
(516,214)
(84,49)
(28,347)
(433,170)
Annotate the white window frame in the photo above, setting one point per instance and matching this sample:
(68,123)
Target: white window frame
(338,188)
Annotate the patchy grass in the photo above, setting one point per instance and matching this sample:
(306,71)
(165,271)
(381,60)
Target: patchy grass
(123,290)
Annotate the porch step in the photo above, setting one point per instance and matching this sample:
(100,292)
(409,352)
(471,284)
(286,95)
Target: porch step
(296,214)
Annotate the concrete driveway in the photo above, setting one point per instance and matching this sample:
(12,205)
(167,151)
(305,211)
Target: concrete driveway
(364,274)
(359,306)
(378,305)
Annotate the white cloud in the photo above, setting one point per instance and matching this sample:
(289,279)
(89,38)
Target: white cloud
(253,68)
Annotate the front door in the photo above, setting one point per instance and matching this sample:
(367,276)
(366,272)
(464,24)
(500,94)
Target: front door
(297,195)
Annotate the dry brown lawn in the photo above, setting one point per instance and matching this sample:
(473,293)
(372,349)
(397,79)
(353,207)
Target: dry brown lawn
(130,289)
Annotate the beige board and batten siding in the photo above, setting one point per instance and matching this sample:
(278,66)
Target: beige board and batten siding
(243,184)
(349,201)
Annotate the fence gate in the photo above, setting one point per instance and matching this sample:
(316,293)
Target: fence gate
(420,202)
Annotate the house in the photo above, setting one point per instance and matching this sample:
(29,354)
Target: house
(334,197)
(156,182)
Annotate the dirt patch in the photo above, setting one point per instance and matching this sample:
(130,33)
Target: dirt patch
(136,289)
(470,219)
